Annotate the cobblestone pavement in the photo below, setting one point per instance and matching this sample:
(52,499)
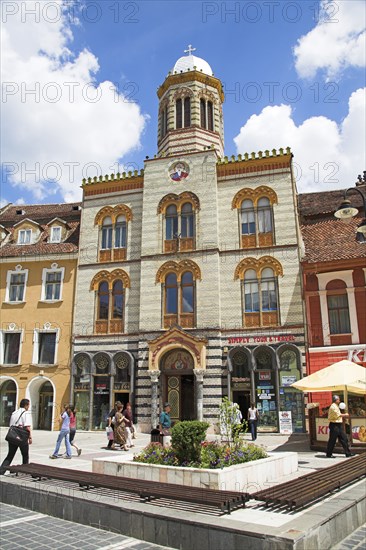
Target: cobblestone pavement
(356,541)
(26,530)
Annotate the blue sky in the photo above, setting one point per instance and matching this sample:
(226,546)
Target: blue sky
(293,73)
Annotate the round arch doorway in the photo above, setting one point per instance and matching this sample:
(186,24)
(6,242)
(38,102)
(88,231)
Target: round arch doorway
(45,406)
(8,398)
(178,385)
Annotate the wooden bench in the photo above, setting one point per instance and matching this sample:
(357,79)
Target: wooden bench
(225,500)
(310,487)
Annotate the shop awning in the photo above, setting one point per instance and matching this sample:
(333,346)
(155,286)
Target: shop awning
(342,376)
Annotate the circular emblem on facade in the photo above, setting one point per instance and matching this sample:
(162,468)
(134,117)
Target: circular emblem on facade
(179,171)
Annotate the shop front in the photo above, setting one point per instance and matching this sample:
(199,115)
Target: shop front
(98,381)
(263,374)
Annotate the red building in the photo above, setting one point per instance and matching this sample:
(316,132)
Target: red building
(334,271)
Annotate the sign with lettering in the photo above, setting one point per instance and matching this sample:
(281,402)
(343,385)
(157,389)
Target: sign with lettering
(122,386)
(264,375)
(81,386)
(261,339)
(285,418)
(288,380)
(357,355)
(322,428)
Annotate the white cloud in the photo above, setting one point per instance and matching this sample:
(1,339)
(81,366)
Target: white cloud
(69,119)
(337,41)
(326,155)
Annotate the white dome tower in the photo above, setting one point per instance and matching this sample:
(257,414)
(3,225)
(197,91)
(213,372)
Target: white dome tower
(190,108)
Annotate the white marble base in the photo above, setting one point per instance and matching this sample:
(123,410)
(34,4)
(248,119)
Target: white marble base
(247,477)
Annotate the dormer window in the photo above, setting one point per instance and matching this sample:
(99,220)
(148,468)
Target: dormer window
(25,236)
(55,234)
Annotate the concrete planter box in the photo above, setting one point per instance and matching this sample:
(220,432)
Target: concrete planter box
(250,476)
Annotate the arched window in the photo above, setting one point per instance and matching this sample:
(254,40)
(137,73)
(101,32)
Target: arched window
(120,232)
(171,223)
(117,296)
(112,222)
(203,113)
(247,218)
(171,294)
(187,292)
(251,292)
(179,301)
(164,122)
(106,233)
(178,114)
(103,301)
(268,289)
(210,117)
(338,308)
(256,220)
(264,216)
(187,220)
(187,112)
(240,365)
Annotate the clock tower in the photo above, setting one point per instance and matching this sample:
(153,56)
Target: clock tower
(190,108)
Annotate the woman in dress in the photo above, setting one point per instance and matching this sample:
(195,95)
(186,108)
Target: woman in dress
(127,413)
(119,429)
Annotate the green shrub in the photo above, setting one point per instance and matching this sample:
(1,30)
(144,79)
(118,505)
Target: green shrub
(187,437)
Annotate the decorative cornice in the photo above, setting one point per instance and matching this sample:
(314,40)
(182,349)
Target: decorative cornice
(178,268)
(255,162)
(191,76)
(254,195)
(110,277)
(258,265)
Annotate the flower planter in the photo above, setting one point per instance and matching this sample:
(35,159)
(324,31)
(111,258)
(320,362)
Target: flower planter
(250,476)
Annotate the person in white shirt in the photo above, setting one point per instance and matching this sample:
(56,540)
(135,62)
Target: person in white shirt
(253,416)
(20,417)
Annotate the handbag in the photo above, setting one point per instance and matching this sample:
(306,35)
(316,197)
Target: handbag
(17,435)
(110,433)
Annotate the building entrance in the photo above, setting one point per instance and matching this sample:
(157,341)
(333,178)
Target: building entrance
(8,395)
(45,406)
(242,398)
(179,384)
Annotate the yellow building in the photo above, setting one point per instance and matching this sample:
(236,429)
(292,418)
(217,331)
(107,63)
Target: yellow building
(39,254)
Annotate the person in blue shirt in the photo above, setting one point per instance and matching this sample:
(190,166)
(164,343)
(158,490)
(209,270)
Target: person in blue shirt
(165,423)
(64,434)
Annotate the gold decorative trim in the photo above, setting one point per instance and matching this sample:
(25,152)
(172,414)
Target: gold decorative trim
(110,277)
(176,338)
(178,201)
(254,195)
(113,212)
(178,268)
(258,265)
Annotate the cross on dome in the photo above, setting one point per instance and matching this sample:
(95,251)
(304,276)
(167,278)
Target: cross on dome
(190,49)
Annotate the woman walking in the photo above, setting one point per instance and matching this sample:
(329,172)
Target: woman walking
(119,429)
(73,429)
(64,434)
(127,413)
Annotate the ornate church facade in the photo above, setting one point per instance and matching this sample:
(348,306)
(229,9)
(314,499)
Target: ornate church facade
(189,284)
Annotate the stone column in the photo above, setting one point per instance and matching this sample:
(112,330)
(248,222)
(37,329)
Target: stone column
(154,375)
(199,374)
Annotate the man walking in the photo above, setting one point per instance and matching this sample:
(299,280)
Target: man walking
(336,431)
(20,417)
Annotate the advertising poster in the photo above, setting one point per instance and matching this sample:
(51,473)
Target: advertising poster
(285,422)
(358,430)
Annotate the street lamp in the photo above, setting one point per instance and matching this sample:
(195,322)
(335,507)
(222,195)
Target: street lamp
(346,211)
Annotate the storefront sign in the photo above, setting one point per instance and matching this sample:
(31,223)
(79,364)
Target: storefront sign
(285,422)
(288,380)
(264,375)
(121,385)
(357,355)
(101,389)
(261,339)
(80,386)
(322,429)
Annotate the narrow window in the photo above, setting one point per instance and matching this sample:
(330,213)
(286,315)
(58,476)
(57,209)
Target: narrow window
(103,300)
(187,112)
(251,292)
(264,216)
(11,348)
(203,113)
(55,234)
(187,292)
(117,294)
(47,347)
(210,118)
(268,289)
(53,285)
(25,236)
(178,113)
(171,294)
(187,223)
(171,222)
(120,239)
(338,310)
(107,233)
(17,285)
(247,218)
